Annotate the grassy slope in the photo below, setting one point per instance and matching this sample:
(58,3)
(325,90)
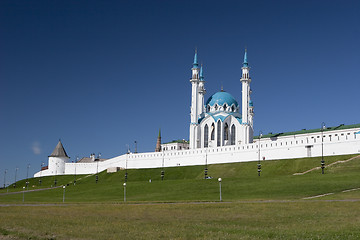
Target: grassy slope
(102,218)
(240,182)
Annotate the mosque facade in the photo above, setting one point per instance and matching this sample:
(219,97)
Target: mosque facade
(218,122)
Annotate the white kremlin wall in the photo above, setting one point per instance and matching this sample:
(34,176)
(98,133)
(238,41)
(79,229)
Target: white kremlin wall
(337,142)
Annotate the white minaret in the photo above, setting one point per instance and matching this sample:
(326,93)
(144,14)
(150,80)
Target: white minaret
(247,110)
(202,91)
(194,112)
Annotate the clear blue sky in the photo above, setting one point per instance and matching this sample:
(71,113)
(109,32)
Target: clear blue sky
(102,74)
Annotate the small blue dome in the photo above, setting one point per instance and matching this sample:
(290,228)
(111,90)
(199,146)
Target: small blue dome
(221,98)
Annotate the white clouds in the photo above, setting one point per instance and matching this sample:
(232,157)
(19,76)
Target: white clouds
(36,148)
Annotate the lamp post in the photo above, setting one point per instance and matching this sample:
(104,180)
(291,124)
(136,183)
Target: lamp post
(77,159)
(64,193)
(97,168)
(135,147)
(219,179)
(16,169)
(162,171)
(5,178)
(23,194)
(259,164)
(55,181)
(124,191)
(127,153)
(27,177)
(41,166)
(206,166)
(322,148)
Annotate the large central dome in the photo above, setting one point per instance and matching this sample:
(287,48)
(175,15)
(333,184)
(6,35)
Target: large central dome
(220,98)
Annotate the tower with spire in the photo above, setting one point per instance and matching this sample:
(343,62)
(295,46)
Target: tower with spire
(202,91)
(195,108)
(247,105)
(158,142)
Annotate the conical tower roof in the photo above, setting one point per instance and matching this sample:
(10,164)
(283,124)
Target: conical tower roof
(59,151)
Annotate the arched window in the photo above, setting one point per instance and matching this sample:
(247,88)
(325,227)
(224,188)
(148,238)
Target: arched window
(232,141)
(233,108)
(208,108)
(225,107)
(206,136)
(219,133)
(212,132)
(226,132)
(216,107)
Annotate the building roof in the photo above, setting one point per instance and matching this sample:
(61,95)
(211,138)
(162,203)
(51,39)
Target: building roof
(59,151)
(220,98)
(178,141)
(89,160)
(304,131)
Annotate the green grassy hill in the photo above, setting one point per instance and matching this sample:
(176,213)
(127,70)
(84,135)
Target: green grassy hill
(240,182)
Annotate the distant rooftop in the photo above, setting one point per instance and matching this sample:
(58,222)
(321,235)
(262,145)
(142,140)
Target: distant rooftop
(304,131)
(89,160)
(178,141)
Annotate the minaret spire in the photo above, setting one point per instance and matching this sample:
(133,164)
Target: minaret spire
(201,73)
(202,91)
(195,64)
(245,63)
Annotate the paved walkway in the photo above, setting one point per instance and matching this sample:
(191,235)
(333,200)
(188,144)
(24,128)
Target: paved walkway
(32,190)
(331,164)
(174,203)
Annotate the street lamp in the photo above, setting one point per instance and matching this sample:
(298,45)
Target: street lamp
(55,181)
(27,177)
(64,193)
(135,147)
(259,164)
(206,166)
(16,169)
(162,171)
(5,178)
(127,153)
(97,168)
(322,148)
(219,179)
(77,159)
(23,194)
(124,191)
(41,167)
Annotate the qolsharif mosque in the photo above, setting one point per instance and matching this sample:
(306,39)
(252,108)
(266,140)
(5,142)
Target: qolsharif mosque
(219,122)
(220,132)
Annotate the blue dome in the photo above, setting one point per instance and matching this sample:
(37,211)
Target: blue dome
(221,98)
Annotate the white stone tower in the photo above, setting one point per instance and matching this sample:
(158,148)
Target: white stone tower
(194,112)
(202,91)
(57,160)
(247,105)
